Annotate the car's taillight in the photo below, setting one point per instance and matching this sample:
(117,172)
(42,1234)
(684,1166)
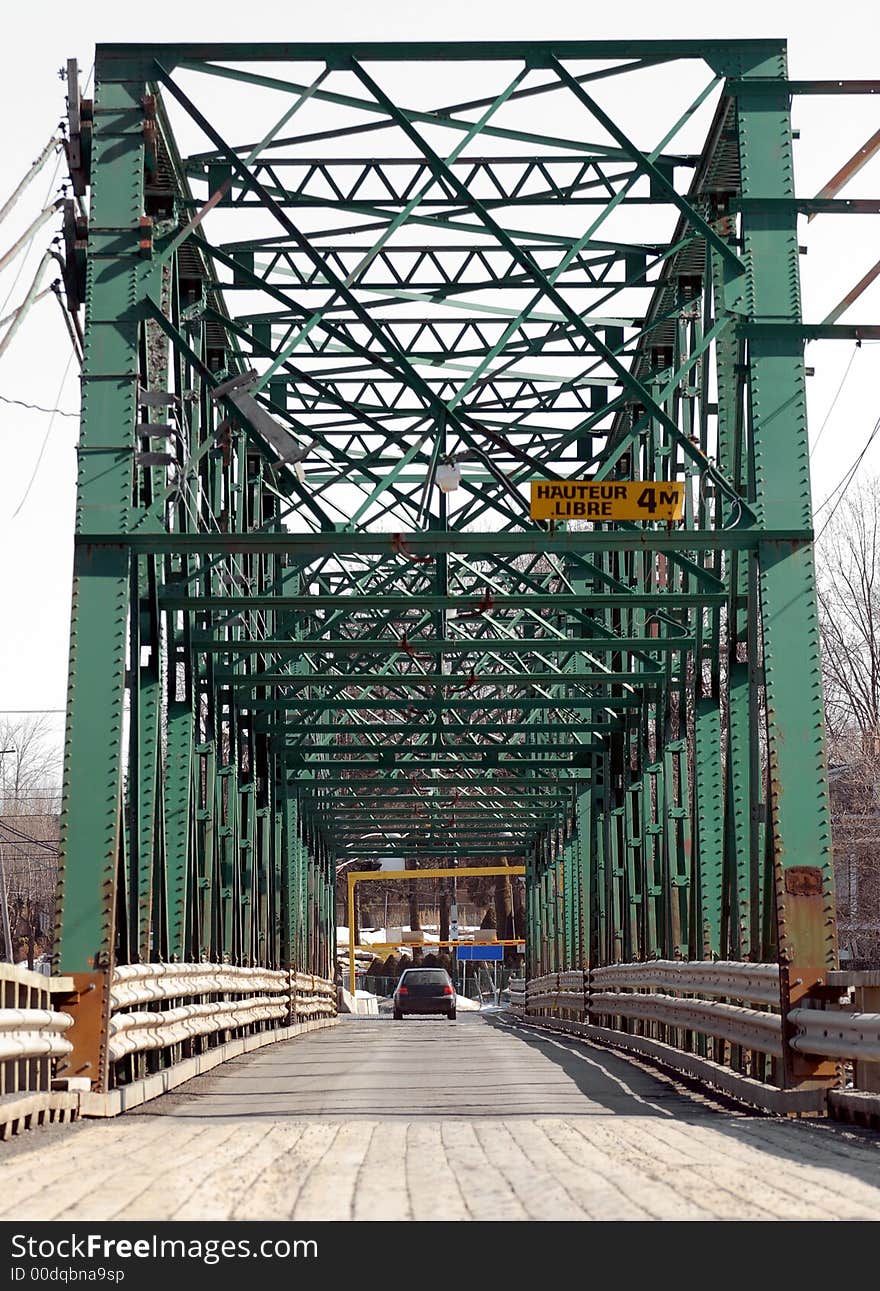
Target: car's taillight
(448,990)
(403,990)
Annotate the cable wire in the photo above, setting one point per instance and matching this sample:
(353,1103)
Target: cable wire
(37,407)
(845,482)
(30,483)
(835,399)
(29,838)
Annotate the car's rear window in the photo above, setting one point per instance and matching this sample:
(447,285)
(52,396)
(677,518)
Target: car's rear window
(421,976)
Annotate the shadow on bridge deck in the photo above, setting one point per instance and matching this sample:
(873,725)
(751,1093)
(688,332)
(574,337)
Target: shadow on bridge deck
(377,1119)
(423,1068)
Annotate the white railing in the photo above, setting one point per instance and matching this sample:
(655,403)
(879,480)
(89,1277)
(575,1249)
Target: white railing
(240,998)
(136,1032)
(33,1033)
(31,1029)
(144,983)
(720,1017)
(719,1021)
(171,1021)
(757,983)
(516,988)
(832,1033)
(33,1036)
(761,1032)
(312,996)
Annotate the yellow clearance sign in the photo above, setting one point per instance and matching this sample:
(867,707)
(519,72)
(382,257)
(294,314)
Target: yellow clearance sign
(606,500)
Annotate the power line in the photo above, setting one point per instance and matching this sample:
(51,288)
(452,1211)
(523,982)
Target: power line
(28,838)
(32,710)
(30,483)
(36,407)
(36,857)
(835,399)
(845,482)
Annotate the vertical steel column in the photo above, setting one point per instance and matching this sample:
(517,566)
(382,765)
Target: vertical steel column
(709,823)
(587,886)
(178,827)
(798,793)
(90,822)
(532,930)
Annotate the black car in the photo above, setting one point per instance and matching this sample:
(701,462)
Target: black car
(424,990)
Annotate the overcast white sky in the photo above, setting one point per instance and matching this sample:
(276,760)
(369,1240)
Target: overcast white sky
(825,41)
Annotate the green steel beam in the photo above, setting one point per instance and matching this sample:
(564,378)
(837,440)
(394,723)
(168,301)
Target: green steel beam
(406,546)
(726,54)
(432,646)
(476,605)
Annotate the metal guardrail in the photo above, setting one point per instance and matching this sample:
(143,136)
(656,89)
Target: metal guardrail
(832,1033)
(32,1037)
(167,1022)
(667,1008)
(312,996)
(755,983)
(144,983)
(33,1033)
(239,998)
(761,1032)
(136,1032)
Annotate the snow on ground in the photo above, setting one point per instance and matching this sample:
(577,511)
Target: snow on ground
(378,936)
(466,1005)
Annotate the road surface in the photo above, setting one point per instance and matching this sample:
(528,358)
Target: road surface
(429,1119)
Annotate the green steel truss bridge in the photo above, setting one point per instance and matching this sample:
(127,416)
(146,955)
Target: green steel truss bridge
(335,324)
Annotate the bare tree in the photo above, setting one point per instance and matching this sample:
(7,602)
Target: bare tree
(849,621)
(30,768)
(849,615)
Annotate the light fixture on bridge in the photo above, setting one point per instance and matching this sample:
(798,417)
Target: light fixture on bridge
(285,448)
(448,475)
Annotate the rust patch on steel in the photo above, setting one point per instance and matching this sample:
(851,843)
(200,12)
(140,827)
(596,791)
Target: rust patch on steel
(89,1006)
(804,881)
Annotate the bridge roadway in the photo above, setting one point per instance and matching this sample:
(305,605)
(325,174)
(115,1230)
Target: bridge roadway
(426,1119)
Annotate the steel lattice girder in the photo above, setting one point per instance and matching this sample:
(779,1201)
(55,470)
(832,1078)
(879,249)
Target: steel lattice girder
(281,622)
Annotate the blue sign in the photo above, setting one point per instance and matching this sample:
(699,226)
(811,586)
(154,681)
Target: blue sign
(479,952)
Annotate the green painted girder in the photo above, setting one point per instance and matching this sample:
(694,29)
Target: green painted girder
(435,746)
(282,247)
(358,817)
(467,807)
(289,200)
(457,830)
(455,645)
(548,782)
(507,188)
(438,117)
(555,601)
(527,790)
(461,728)
(434,754)
(783,206)
(428,285)
(453,681)
(309,546)
(575,703)
(726,55)
(811,331)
